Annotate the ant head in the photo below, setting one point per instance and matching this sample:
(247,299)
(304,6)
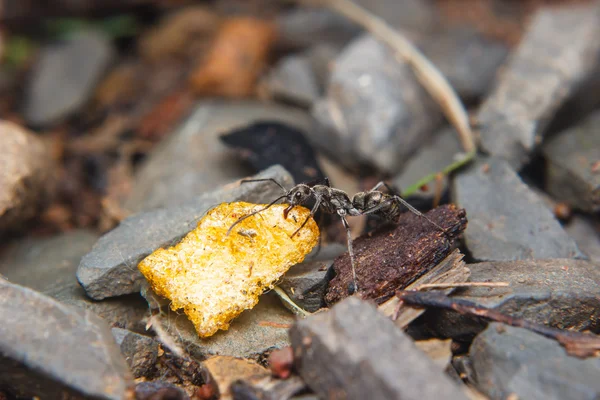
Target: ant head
(299,194)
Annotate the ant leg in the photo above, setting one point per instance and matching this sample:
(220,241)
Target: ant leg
(354,288)
(400,200)
(319,245)
(253,213)
(264,180)
(312,213)
(388,187)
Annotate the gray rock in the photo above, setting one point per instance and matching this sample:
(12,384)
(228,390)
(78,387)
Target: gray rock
(562,293)
(64,76)
(357,353)
(585,235)
(573,157)
(293,79)
(110,269)
(48,265)
(25,176)
(193,161)
(467,58)
(375,111)
(139,351)
(507,220)
(52,350)
(159,390)
(557,53)
(306,284)
(432,158)
(517,362)
(251,334)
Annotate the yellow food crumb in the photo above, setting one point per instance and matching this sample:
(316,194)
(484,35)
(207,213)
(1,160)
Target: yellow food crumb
(214,277)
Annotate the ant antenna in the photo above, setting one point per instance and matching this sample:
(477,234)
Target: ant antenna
(254,213)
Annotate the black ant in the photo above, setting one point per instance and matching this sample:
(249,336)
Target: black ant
(328,199)
(384,205)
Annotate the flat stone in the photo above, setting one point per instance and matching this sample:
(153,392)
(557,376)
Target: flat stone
(193,161)
(159,390)
(293,79)
(64,76)
(586,235)
(430,159)
(25,176)
(558,52)
(306,284)
(507,220)
(226,369)
(573,165)
(110,269)
(48,265)
(562,293)
(357,353)
(466,57)
(375,111)
(139,351)
(251,334)
(52,350)
(516,362)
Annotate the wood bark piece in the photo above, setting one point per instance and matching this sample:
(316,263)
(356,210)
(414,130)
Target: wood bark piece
(392,258)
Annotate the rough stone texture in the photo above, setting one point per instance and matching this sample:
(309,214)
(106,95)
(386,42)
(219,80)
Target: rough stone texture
(557,53)
(52,350)
(64,76)
(467,58)
(430,159)
(562,293)
(139,351)
(306,284)
(110,269)
(517,362)
(354,352)
(26,170)
(193,161)
(573,160)
(507,220)
(226,369)
(48,265)
(293,79)
(585,234)
(159,390)
(375,111)
(251,334)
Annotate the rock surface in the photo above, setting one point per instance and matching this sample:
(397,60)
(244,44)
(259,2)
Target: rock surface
(52,350)
(585,235)
(139,351)
(25,175)
(556,54)
(512,361)
(375,111)
(293,79)
(507,220)
(110,269)
(64,76)
(226,369)
(573,159)
(307,282)
(193,160)
(562,293)
(357,353)
(48,265)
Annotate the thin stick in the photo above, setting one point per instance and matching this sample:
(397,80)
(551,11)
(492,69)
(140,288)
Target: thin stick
(295,308)
(459,285)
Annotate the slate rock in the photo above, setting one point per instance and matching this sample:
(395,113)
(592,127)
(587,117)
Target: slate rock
(110,269)
(293,79)
(251,334)
(430,159)
(52,350)
(573,165)
(507,220)
(466,57)
(586,235)
(25,175)
(558,52)
(357,353)
(306,284)
(64,76)
(139,351)
(224,370)
(48,265)
(159,390)
(517,362)
(193,160)
(561,293)
(375,111)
